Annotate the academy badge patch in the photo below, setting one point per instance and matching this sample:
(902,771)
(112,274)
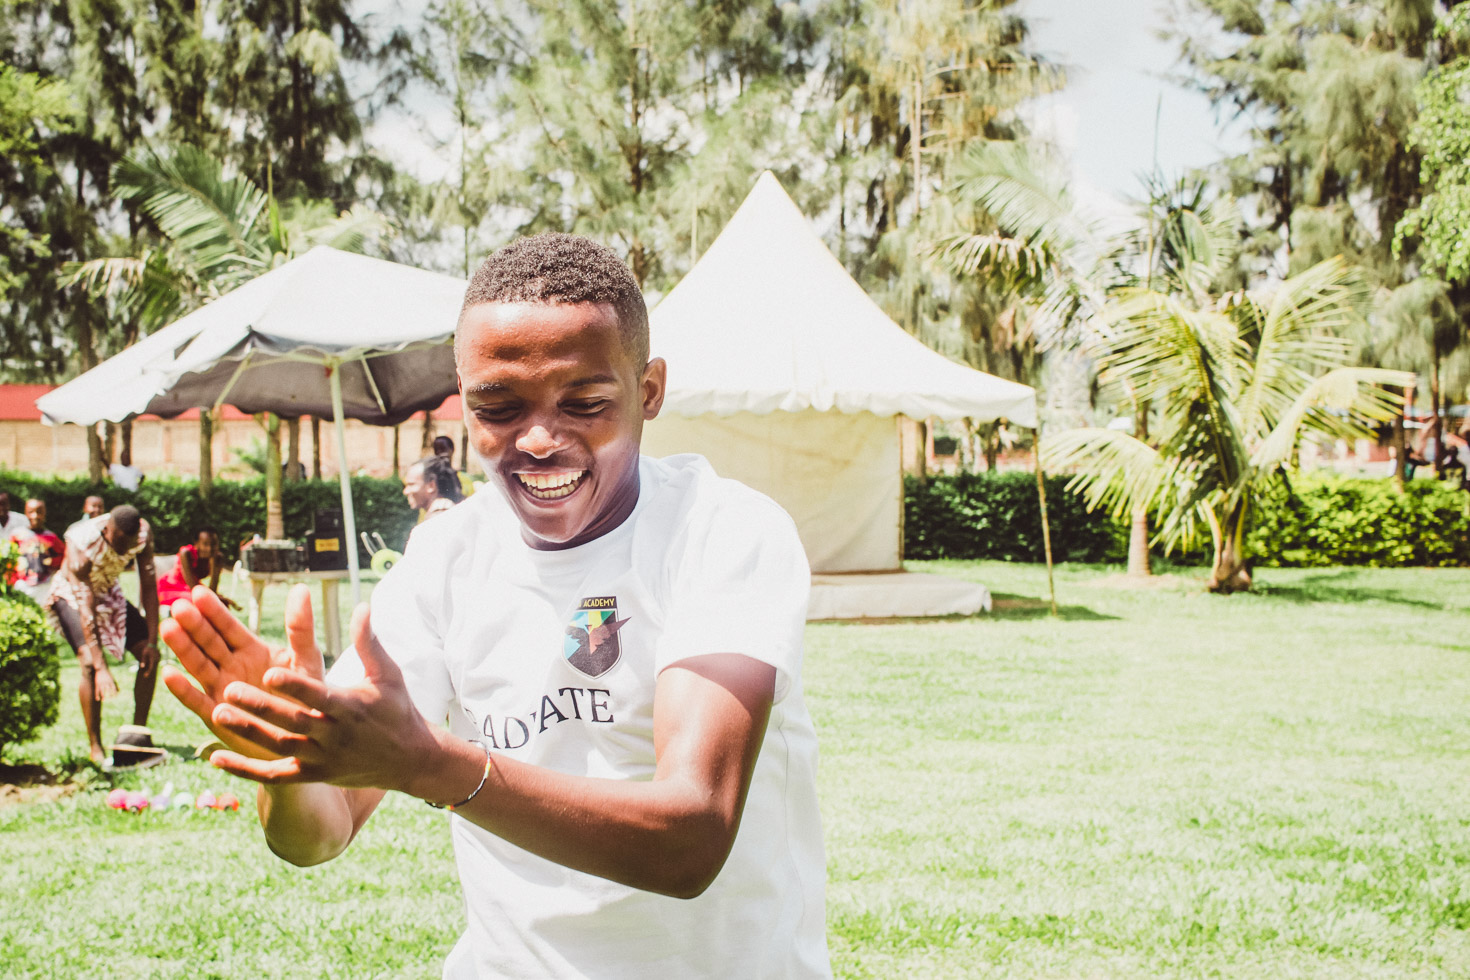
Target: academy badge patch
(592,645)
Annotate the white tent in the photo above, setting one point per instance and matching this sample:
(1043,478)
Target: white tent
(788,377)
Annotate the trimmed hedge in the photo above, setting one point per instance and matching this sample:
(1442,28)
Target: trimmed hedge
(997,515)
(1333,520)
(173,508)
(1327,520)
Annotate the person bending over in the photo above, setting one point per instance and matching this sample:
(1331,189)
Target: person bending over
(87,606)
(198,564)
(596,668)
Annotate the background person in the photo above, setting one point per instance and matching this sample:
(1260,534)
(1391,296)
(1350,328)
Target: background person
(198,563)
(93,507)
(10,521)
(88,608)
(431,486)
(444,447)
(41,553)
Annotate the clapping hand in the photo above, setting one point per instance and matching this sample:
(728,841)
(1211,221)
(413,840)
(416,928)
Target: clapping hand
(217,650)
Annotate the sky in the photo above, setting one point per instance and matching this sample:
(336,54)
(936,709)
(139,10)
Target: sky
(1117,83)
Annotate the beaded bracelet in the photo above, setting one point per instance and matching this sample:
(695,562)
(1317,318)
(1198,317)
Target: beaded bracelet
(489,764)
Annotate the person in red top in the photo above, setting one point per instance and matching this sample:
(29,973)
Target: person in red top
(198,563)
(41,552)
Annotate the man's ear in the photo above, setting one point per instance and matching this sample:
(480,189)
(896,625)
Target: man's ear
(653,387)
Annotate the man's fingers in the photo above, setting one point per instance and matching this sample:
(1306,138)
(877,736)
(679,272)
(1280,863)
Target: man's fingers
(193,659)
(231,629)
(302,688)
(278,711)
(189,696)
(376,663)
(273,771)
(188,615)
(244,725)
(301,631)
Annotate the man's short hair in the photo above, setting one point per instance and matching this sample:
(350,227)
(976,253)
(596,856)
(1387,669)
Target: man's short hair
(127,520)
(441,443)
(556,268)
(5,497)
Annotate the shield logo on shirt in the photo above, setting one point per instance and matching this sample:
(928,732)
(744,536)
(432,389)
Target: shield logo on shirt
(592,645)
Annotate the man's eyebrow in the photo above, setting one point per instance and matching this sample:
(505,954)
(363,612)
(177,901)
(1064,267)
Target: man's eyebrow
(596,379)
(487,388)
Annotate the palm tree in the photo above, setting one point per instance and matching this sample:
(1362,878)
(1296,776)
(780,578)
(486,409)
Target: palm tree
(219,231)
(1237,381)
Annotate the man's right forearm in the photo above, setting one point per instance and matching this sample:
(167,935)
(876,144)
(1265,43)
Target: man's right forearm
(309,823)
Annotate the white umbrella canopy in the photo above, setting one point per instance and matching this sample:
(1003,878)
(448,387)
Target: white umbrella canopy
(332,334)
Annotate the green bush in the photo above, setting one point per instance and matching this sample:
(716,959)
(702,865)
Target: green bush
(1326,520)
(30,670)
(998,515)
(1335,520)
(174,509)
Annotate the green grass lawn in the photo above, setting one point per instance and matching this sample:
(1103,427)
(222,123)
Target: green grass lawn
(1160,783)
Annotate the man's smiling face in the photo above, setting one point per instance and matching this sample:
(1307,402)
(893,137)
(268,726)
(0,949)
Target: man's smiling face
(555,406)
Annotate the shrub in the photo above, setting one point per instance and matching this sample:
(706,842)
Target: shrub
(1327,519)
(30,671)
(175,511)
(1336,520)
(998,515)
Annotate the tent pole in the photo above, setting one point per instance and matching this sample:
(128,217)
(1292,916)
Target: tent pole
(349,520)
(1051,583)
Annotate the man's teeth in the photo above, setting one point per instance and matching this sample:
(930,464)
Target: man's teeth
(549,486)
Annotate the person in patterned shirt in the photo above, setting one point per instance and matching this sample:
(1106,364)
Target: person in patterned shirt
(88,608)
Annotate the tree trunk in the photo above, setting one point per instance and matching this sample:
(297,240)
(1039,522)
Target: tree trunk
(206,453)
(294,470)
(1138,558)
(1437,421)
(426,445)
(125,430)
(1231,569)
(316,448)
(109,442)
(95,468)
(992,447)
(275,524)
(395,449)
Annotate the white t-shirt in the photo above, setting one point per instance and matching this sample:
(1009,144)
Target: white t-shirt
(14,523)
(551,657)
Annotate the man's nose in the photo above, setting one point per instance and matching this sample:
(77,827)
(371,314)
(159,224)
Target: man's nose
(538,441)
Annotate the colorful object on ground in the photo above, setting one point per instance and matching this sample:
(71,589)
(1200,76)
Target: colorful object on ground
(204,801)
(227,801)
(136,801)
(184,801)
(117,799)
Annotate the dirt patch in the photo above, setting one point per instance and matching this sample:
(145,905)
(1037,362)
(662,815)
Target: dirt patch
(30,783)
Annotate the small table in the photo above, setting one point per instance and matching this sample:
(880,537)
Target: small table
(328,611)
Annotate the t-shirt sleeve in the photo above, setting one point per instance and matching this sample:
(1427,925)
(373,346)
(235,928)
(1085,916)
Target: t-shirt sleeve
(741,587)
(406,617)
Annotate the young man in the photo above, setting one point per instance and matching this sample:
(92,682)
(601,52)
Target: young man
(88,608)
(92,509)
(41,553)
(612,644)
